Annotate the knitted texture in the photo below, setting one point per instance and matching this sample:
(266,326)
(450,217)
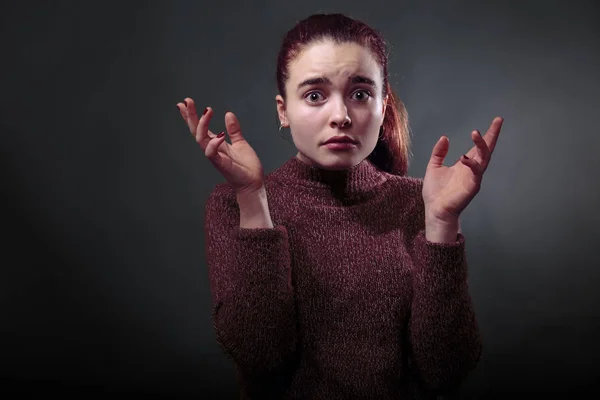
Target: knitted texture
(344,298)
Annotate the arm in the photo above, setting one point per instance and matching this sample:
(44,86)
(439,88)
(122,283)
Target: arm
(443,332)
(250,281)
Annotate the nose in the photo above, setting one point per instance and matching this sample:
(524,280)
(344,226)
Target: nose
(339,115)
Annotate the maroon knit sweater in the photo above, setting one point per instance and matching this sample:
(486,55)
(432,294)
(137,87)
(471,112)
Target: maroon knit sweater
(344,298)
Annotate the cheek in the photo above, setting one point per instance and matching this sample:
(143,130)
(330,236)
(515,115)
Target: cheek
(300,122)
(303,111)
(377,113)
(305,115)
(368,116)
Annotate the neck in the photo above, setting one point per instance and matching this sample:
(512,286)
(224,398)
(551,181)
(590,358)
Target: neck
(355,182)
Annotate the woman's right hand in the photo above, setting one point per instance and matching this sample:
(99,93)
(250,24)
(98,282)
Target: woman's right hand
(237,161)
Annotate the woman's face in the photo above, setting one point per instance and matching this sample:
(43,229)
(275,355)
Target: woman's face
(333,90)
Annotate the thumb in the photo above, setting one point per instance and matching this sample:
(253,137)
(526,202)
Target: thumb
(440,150)
(233,127)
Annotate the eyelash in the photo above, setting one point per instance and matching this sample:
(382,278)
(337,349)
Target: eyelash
(359,90)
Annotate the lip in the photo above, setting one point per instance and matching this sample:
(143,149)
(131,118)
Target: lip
(341,139)
(340,145)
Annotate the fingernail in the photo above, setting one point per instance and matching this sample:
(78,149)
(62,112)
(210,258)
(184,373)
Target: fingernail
(465,157)
(220,135)
(205,111)
(186,104)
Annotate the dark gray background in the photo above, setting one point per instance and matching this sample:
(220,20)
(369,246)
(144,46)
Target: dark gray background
(103,283)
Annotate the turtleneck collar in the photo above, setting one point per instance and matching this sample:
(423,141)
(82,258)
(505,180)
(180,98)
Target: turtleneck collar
(353,183)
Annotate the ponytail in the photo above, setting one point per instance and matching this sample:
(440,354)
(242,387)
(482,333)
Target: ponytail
(392,151)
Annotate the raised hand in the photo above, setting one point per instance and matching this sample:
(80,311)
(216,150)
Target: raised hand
(448,190)
(237,161)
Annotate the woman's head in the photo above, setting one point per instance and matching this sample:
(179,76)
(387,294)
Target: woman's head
(333,81)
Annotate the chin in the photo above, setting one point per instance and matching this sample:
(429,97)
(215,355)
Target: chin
(333,161)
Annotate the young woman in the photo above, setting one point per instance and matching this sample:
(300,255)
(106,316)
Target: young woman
(337,276)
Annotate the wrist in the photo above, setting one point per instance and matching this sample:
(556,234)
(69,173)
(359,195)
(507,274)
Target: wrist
(437,231)
(254,209)
(251,194)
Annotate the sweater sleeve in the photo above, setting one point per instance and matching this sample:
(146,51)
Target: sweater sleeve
(253,310)
(444,336)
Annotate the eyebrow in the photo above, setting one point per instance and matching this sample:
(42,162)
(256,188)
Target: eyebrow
(323,80)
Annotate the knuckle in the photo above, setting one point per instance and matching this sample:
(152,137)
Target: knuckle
(234,130)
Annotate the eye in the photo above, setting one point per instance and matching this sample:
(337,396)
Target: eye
(313,97)
(363,95)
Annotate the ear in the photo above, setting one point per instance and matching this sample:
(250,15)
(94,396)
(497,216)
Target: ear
(384,107)
(281,112)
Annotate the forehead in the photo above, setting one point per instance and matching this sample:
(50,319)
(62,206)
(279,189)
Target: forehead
(334,61)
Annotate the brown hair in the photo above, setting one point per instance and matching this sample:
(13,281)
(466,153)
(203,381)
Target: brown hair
(392,151)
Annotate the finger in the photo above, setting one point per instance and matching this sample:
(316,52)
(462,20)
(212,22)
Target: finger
(203,134)
(232,125)
(182,112)
(483,153)
(440,150)
(211,150)
(192,115)
(474,165)
(491,136)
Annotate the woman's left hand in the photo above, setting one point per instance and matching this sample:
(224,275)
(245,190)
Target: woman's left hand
(448,190)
